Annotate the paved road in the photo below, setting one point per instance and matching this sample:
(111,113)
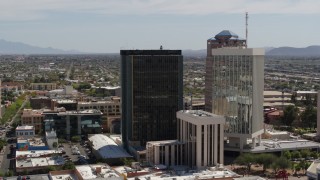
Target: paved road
(6,161)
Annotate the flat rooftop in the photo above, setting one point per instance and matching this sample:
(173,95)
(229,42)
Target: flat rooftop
(275,93)
(199,113)
(23,128)
(37,153)
(32,141)
(39,161)
(106,147)
(98,102)
(64,176)
(150,52)
(159,143)
(279,145)
(33,177)
(82,112)
(210,173)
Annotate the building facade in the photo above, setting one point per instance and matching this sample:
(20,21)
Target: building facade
(25,132)
(200,142)
(234,88)
(73,123)
(111,111)
(167,152)
(33,118)
(151,94)
(43,86)
(203,135)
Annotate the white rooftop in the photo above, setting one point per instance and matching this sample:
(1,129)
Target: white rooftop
(39,161)
(86,172)
(106,147)
(64,176)
(37,153)
(51,134)
(90,171)
(23,128)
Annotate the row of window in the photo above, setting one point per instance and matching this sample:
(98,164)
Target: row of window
(25,133)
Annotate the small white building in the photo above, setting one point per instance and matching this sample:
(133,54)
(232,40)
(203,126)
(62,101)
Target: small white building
(51,137)
(25,132)
(200,142)
(204,134)
(105,148)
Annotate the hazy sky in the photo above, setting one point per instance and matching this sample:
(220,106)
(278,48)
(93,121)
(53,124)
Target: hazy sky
(110,25)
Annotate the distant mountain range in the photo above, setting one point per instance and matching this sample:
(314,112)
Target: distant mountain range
(291,51)
(270,51)
(7,47)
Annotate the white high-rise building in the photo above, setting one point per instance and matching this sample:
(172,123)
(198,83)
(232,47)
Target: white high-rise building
(234,88)
(199,144)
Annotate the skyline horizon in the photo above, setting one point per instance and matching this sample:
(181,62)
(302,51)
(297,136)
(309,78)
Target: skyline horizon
(75,51)
(100,26)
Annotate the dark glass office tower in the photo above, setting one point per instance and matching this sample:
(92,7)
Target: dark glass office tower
(151,94)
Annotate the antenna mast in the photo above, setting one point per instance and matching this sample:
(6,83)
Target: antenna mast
(247,17)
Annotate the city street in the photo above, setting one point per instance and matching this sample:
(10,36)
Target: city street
(7,162)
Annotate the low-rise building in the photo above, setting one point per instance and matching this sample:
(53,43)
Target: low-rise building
(31,144)
(40,102)
(43,86)
(51,138)
(33,118)
(73,123)
(87,172)
(110,109)
(25,132)
(105,148)
(33,161)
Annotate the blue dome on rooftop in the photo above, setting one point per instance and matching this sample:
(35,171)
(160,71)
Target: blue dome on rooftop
(226,33)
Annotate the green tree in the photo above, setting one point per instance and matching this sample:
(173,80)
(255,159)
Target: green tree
(75,138)
(305,153)
(290,113)
(296,154)
(127,161)
(287,154)
(314,154)
(280,163)
(54,144)
(51,168)
(298,168)
(309,117)
(69,165)
(265,160)
(245,159)
(283,163)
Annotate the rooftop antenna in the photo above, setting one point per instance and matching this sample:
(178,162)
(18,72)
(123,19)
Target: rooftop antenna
(247,17)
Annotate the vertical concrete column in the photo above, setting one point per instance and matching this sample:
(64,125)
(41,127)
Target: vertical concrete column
(166,151)
(241,144)
(156,155)
(254,142)
(68,125)
(172,154)
(215,144)
(198,144)
(221,144)
(259,140)
(79,125)
(205,151)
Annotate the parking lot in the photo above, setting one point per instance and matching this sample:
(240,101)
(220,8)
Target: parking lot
(82,158)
